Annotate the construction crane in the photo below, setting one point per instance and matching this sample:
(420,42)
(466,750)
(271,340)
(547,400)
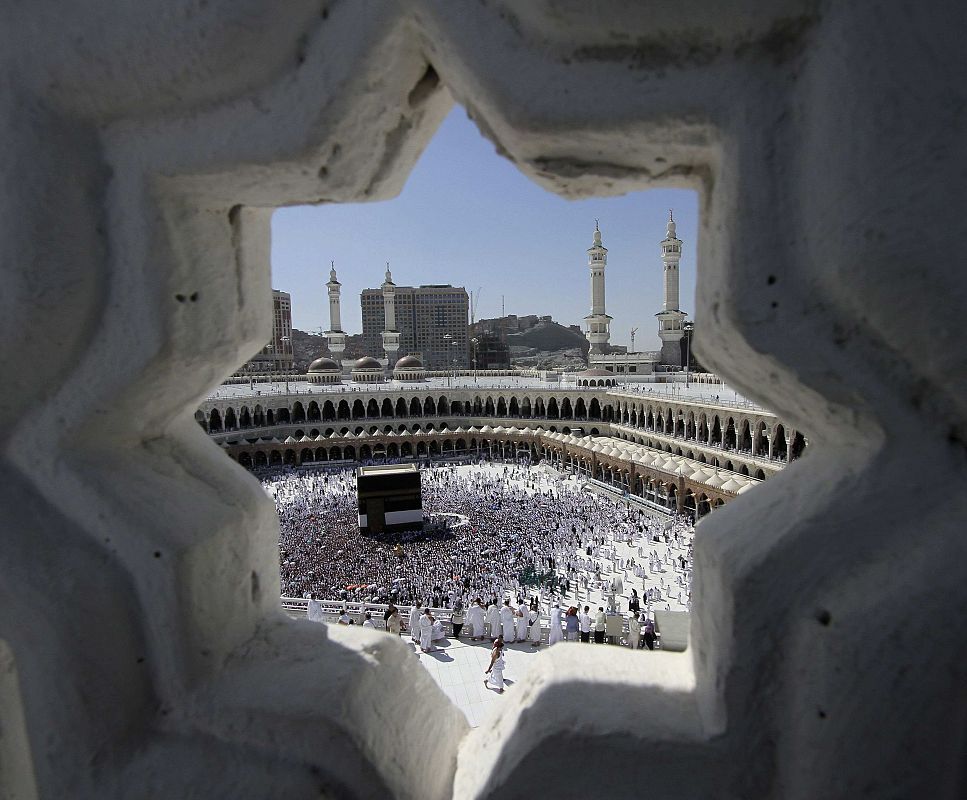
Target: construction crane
(633,332)
(474,299)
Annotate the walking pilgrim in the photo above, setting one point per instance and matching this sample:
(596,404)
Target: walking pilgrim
(496,669)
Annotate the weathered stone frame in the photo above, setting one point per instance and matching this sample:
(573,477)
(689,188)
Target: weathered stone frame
(139,626)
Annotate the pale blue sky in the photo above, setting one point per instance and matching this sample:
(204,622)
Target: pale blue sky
(468,217)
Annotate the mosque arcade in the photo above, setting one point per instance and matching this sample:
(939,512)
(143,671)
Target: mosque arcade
(682,449)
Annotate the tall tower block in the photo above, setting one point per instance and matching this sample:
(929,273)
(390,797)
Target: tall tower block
(671,317)
(391,336)
(598,322)
(335,335)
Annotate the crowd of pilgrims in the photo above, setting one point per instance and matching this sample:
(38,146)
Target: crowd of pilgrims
(492,531)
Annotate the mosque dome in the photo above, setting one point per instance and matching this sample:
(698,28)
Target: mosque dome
(323,364)
(367,362)
(409,362)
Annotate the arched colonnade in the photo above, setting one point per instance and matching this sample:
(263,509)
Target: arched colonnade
(223,415)
(753,434)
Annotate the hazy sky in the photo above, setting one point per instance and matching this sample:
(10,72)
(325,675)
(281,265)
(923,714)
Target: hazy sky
(467,216)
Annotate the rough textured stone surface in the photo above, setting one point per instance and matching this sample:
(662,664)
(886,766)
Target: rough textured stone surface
(142,652)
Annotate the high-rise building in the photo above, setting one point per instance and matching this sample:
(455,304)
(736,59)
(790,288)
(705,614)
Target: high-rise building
(281,344)
(276,356)
(424,316)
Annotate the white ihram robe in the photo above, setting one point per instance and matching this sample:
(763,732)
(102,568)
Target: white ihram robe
(555,634)
(507,623)
(415,623)
(426,632)
(475,619)
(493,619)
(496,676)
(534,634)
(522,622)
(315,611)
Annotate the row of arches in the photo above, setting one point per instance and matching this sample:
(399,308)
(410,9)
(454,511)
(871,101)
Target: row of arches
(229,419)
(259,457)
(663,492)
(724,462)
(376,430)
(731,433)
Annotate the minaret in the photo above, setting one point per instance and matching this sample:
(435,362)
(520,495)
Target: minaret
(391,336)
(598,321)
(335,335)
(670,318)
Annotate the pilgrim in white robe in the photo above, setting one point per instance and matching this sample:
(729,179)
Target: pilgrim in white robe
(522,622)
(534,633)
(475,619)
(507,623)
(555,634)
(314,611)
(496,676)
(426,632)
(634,631)
(415,623)
(493,620)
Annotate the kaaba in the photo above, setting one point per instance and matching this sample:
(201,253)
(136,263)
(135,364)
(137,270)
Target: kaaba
(389,498)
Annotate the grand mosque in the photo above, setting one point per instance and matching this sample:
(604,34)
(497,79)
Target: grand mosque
(633,422)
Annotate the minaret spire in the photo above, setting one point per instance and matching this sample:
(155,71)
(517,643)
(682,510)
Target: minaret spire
(671,317)
(335,335)
(391,337)
(598,321)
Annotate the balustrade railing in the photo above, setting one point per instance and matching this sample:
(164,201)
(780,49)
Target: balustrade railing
(333,609)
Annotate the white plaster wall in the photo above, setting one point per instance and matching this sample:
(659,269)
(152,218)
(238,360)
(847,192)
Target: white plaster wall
(143,147)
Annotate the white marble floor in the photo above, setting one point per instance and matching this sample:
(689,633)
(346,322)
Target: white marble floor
(458,667)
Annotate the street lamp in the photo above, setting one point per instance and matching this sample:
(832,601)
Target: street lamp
(454,344)
(285,339)
(688,327)
(474,341)
(447,341)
